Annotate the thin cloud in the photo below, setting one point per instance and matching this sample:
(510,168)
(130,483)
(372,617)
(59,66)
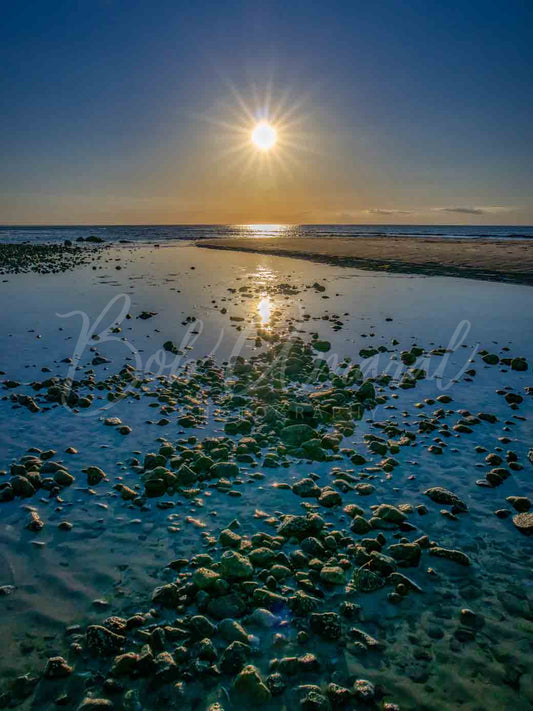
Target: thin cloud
(384,211)
(485,210)
(462,210)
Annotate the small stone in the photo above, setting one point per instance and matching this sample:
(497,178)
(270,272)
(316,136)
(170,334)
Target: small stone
(206,650)
(264,618)
(94,475)
(470,618)
(454,555)
(334,575)
(338,695)
(524,522)
(124,664)
(33,522)
(234,566)
(407,554)
(20,486)
(296,435)
(365,489)
(234,657)
(306,488)
(166,669)
(519,503)
(276,683)
(63,477)
(249,684)
(364,690)
(442,496)
(89,704)
(57,668)
(503,513)
(231,631)
(102,642)
(326,624)
(519,364)
(229,538)
(112,421)
(224,606)
(389,513)
(360,525)
(329,498)
(205,579)
(262,557)
(201,627)
(315,701)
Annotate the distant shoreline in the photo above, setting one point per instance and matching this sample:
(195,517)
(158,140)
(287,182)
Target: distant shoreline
(504,260)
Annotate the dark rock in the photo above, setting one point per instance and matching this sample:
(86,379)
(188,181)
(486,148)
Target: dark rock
(102,642)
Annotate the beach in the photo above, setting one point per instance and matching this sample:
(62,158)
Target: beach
(497,260)
(233,478)
(266,395)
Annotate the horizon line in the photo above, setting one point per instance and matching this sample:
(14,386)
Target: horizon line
(257,224)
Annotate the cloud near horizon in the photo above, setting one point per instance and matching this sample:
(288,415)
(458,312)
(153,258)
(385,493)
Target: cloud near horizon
(459,210)
(462,210)
(473,210)
(385,211)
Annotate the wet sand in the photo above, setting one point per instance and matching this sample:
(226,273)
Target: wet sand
(431,655)
(502,260)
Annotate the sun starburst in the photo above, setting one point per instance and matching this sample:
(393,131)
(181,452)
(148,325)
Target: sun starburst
(265,132)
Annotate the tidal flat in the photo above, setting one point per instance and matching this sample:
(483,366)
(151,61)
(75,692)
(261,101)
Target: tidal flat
(234,480)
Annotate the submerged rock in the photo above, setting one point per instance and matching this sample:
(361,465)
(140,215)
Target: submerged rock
(450,554)
(326,624)
(443,496)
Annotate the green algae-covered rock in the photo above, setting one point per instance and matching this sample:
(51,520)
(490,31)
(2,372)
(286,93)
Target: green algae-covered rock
(234,566)
(296,435)
(249,684)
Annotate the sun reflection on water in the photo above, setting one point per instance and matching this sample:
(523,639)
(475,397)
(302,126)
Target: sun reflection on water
(265,230)
(264,309)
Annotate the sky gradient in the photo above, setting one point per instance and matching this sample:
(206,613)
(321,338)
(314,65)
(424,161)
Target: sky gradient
(398,112)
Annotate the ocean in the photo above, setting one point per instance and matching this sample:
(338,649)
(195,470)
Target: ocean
(168,233)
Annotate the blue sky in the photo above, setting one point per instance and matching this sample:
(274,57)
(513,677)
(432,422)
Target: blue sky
(137,112)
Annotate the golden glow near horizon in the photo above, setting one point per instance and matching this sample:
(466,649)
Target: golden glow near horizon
(264,136)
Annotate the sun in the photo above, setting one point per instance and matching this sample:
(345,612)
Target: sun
(261,132)
(264,136)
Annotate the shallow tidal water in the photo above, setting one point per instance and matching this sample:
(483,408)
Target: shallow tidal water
(116,554)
